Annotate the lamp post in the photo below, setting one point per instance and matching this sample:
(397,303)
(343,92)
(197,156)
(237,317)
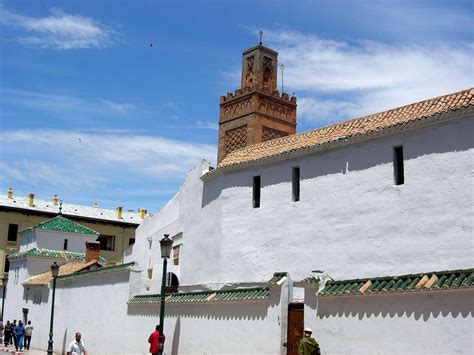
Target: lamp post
(166,243)
(54,273)
(4,284)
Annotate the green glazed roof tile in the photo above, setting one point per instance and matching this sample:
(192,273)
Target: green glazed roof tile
(459,280)
(468,280)
(277,278)
(450,279)
(61,224)
(234,295)
(47,253)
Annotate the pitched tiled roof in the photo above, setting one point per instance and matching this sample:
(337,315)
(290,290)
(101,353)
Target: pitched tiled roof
(234,295)
(103,270)
(61,224)
(442,280)
(66,269)
(326,136)
(48,253)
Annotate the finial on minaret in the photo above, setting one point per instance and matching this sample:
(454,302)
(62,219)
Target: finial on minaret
(261,35)
(60,207)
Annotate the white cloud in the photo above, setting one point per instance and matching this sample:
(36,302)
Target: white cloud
(118,107)
(207,125)
(102,155)
(336,80)
(60,30)
(63,105)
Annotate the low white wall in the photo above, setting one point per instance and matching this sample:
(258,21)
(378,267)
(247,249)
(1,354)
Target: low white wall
(220,328)
(438,322)
(97,307)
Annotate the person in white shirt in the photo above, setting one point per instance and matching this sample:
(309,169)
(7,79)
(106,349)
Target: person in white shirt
(77,347)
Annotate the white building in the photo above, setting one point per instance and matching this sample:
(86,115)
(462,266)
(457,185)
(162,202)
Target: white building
(361,230)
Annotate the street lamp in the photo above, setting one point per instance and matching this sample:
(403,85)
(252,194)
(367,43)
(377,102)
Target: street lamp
(166,244)
(54,273)
(4,284)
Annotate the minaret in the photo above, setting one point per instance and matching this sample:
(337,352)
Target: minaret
(256,112)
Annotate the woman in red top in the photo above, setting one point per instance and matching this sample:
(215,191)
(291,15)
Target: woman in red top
(153,339)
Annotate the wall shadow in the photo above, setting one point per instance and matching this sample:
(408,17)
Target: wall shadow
(216,311)
(419,305)
(176,336)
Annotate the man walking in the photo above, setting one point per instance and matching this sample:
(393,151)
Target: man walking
(18,334)
(153,339)
(77,347)
(308,345)
(28,332)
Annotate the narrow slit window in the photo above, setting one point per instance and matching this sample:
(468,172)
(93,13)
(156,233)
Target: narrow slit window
(295,180)
(65,244)
(398,170)
(256,192)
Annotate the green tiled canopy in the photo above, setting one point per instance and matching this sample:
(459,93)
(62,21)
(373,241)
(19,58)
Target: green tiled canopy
(61,224)
(441,280)
(235,295)
(48,253)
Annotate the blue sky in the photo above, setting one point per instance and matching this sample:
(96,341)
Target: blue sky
(114,101)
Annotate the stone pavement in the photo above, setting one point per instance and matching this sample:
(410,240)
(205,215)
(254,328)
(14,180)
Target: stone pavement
(10,350)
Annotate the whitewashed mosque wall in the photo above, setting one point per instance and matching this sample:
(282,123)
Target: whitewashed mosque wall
(351,220)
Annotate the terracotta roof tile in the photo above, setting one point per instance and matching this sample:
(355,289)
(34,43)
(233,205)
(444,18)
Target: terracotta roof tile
(359,126)
(66,269)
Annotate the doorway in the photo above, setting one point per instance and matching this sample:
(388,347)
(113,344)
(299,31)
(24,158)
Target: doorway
(295,327)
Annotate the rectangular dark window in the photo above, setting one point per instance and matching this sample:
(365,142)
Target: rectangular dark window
(295,182)
(256,192)
(131,241)
(398,172)
(107,242)
(12,232)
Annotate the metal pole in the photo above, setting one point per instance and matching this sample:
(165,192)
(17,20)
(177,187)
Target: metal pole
(282,80)
(3,300)
(50,342)
(162,309)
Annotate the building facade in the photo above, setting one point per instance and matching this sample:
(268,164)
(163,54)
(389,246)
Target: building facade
(116,228)
(361,230)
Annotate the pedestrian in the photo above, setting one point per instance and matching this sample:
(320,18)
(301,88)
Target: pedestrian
(28,332)
(77,347)
(153,339)
(13,341)
(8,331)
(19,333)
(2,327)
(308,345)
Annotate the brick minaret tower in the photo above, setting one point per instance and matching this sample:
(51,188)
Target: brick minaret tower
(256,112)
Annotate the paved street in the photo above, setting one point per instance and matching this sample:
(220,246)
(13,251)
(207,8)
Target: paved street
(4,350)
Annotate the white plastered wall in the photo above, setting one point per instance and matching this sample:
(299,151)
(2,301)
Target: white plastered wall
(351,220)
(423,323)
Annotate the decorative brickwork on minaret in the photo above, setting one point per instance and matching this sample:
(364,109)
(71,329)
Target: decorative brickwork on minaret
(256,112)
